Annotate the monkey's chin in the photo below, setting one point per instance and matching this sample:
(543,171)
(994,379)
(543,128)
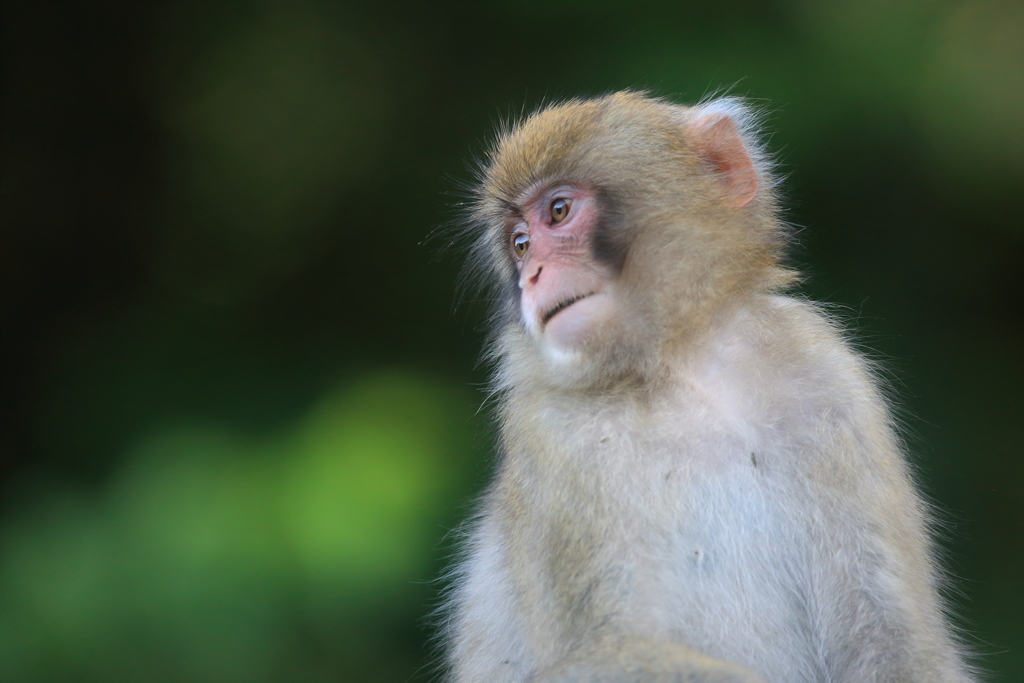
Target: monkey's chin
(572,327)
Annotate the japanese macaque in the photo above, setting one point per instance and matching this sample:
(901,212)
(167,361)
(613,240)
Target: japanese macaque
(699,477)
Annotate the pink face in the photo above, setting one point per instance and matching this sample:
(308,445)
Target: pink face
(566,295)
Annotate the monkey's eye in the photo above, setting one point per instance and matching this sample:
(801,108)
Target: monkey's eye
(560,209)
(520,243)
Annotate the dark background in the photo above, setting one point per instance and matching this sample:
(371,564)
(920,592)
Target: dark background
(239,401)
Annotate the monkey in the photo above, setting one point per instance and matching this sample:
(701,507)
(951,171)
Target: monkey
(699,478)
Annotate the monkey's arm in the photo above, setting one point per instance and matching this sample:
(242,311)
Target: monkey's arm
(873,580)
(505,627)
(479,657)
(632,660)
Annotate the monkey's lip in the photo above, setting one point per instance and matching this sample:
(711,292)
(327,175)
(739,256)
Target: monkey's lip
(562,306)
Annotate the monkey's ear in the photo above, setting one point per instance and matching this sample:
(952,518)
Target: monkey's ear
(721,145)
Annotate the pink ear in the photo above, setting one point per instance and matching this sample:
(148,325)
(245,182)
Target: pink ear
(722,146)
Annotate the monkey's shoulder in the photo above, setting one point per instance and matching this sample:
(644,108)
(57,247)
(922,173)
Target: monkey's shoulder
(793,348)
(782,371)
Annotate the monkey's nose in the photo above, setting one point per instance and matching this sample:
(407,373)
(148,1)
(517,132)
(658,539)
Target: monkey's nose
(530,275)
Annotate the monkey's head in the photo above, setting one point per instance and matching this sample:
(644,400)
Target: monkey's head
(618,227)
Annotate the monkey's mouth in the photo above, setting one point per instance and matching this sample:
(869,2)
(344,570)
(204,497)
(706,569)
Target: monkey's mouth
(561,307)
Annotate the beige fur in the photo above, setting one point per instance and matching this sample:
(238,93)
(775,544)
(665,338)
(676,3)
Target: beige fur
(711,489)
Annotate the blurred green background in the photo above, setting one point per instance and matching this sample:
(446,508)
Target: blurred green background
(240,402)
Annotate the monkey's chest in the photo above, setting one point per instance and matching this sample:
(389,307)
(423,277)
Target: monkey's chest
(725,572)
(688,538)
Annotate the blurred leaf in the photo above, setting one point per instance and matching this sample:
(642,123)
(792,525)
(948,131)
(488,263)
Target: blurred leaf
(211,553)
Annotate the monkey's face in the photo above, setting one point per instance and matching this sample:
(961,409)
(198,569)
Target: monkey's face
(623,223)
(566,299)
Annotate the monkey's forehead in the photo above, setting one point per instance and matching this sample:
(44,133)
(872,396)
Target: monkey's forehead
(600,141)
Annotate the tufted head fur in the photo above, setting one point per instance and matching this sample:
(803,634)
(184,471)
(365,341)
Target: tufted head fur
(688,222)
